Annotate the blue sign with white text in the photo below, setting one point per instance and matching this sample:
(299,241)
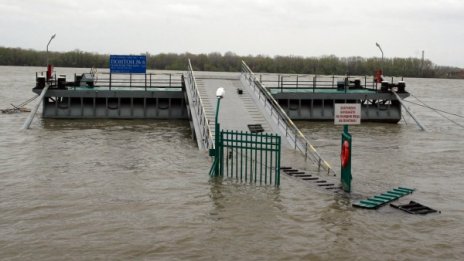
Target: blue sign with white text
(128,64)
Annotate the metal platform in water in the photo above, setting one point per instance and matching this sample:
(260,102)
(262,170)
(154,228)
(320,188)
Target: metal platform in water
(122,96)
(312,98)
(250,100)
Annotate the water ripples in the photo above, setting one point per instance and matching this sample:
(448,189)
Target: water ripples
(104,189)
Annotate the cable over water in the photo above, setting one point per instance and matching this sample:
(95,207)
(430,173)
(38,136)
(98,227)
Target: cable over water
(438,111)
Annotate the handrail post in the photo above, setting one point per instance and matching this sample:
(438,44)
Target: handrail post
(294,134)
(306,151)
(314,83)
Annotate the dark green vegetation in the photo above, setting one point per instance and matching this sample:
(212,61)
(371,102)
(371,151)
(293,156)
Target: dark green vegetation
(408,67)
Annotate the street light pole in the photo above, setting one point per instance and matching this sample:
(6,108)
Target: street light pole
(49,67)
(217,153)
(51,38)
(380,48)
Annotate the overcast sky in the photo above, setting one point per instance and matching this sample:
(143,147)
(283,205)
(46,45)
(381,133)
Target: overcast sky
(344,28)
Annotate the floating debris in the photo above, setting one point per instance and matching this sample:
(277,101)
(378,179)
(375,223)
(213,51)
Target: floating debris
(20,107)
(15,110)
(415,208)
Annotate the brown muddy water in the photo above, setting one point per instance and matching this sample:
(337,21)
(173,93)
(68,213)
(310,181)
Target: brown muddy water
(130,190)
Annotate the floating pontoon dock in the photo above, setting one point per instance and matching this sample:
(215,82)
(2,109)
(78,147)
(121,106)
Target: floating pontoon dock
(266,103)
(122,96)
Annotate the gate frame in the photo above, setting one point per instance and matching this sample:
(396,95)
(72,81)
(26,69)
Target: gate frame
(267,145)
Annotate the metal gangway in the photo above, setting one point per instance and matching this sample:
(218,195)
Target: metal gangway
(284,124)
(254,104)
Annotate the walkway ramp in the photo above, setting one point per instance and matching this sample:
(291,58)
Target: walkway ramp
(237,109)
(246,102)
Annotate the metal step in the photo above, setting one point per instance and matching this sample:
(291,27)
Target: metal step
(313,178)
(290,170)
(295,173)
(255,128)
(326,185)
(379,200)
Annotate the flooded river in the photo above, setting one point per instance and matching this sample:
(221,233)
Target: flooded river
(130,190)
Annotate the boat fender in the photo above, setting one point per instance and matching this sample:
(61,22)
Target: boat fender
(345,154)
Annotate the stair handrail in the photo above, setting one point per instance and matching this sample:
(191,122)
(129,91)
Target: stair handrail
(291,130)
(199,111)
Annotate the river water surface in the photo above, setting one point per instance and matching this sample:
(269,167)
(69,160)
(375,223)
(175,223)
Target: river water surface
(114,189)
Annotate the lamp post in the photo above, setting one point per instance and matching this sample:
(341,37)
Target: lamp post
(219,95)
(49,67)
(380,48)
(51,38)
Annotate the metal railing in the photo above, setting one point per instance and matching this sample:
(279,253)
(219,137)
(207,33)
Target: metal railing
(127,80)
(297,81)
(148,80)
(198,112)
(284,123)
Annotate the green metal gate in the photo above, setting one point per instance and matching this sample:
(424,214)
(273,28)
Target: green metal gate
(249,157)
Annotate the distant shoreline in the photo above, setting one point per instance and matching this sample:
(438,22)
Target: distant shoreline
(230,62)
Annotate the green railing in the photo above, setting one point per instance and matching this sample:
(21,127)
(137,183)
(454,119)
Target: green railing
(250,157)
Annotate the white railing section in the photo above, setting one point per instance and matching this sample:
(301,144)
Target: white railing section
(202,131)
(284,123)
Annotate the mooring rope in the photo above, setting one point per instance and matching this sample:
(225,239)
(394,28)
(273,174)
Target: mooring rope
(432,108)
(438,111)
(19,108)
(27,101)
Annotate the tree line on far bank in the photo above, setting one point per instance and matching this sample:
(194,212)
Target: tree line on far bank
(230,62)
